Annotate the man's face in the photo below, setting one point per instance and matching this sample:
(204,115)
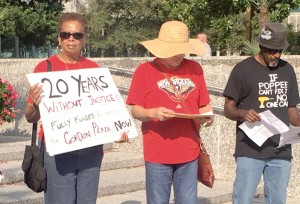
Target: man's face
(271,56)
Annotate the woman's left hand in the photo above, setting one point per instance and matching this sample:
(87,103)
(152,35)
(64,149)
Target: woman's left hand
(124,138)
(206,121)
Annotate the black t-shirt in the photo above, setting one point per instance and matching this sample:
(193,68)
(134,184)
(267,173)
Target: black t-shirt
(254,86)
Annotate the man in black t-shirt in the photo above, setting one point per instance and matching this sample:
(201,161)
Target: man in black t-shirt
(259,83)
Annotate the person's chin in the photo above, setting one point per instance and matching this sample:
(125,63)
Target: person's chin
(273,64)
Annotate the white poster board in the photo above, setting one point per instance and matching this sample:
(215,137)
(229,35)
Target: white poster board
(80,109)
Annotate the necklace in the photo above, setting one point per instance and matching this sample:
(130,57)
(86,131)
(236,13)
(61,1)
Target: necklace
(65,61)
(76,65)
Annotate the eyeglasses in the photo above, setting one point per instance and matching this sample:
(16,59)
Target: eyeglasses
(274,51)
(67,35)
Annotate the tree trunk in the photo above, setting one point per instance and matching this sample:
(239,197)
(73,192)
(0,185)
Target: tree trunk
(250,14)
(17,51)
(0,47)
(33,50)
(263,18)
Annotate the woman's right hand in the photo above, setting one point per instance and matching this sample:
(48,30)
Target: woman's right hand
(35,92)
(145,114)
(163,113)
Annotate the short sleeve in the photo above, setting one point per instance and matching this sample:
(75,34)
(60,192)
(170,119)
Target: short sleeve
(136,94)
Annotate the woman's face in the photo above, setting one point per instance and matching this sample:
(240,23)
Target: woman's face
(71,45)
(173,62)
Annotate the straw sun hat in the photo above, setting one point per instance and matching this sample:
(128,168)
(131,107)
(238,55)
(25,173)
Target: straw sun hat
(173,39)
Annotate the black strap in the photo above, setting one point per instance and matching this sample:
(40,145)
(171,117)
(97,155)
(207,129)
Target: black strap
(49,67)
(34,125)
(33,138)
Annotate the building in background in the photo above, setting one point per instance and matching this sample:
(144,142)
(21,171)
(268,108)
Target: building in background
(75,5)
(294,18)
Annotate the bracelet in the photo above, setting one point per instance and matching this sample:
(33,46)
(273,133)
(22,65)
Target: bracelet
(35,110)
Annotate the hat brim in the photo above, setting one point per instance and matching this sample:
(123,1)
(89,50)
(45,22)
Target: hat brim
(283,46)
(163,49)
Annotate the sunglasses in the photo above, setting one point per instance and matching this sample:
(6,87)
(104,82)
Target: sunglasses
(67,35)
(274,51)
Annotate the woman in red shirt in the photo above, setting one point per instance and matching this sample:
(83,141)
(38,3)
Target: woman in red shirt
(170,84)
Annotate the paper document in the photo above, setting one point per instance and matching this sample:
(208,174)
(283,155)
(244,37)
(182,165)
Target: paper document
(290,137)
(260,131)
(191,116)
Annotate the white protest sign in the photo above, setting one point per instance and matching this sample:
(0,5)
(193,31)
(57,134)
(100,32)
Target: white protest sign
(80,109)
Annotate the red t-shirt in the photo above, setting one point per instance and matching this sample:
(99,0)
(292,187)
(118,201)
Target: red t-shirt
(58,65)
(174,140)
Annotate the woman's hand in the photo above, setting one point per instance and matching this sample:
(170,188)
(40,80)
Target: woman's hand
(205,121)
(145,114)
(35,93)
(163,114)
(124,138)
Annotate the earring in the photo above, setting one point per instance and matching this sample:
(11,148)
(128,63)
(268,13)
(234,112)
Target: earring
(83,51)
(58,47)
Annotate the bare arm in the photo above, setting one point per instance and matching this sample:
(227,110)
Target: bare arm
(233,113)
(294,116)
(205,109)
(32,113)
(143,114)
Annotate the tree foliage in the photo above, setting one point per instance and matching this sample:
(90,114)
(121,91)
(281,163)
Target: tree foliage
(199,14)
(33,21)
(219,17)
(121,24)
(228,34)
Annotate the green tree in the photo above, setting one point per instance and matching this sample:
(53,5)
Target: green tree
(119,25)
(273,10)
(198,14)
(218,17)
(228,34)
(3,12)
(33,21)
(294,41)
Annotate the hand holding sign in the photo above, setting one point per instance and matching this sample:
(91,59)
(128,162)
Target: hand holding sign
(35,93)
(124,138)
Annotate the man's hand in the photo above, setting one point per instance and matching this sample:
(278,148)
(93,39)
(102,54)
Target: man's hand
(250,116)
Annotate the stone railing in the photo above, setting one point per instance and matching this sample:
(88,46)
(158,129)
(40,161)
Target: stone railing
(219,138)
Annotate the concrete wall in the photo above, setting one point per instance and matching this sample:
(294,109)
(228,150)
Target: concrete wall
(219,139)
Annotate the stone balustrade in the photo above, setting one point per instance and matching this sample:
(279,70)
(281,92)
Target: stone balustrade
(219,138)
